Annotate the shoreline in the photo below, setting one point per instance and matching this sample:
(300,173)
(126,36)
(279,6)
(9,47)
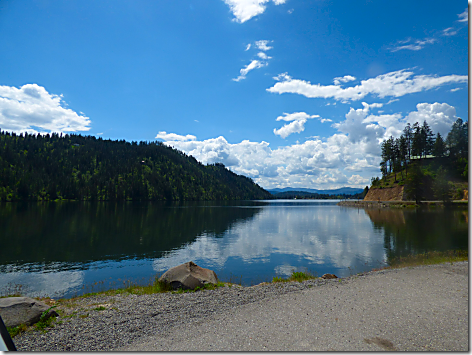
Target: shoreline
(102,322)
(402,204)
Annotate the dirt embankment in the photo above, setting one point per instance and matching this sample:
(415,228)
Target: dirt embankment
(395,193)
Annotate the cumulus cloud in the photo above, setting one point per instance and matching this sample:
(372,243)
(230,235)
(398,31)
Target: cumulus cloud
(343,79)
(323,120)
(255,64)
(349,157)
(440,117)
(396,84)
(174,137)
(296,116)
(31,108)
(293,127)
(464,17)
(297,123)
(244,10)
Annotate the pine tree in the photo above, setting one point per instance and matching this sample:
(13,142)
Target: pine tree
(439,147)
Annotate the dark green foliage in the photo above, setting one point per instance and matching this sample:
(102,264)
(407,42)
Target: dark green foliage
(439,147)
(457,140)
(441,185)
(75,167)
(414,187)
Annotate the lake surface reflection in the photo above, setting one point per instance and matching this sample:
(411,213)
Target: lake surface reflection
(64,249)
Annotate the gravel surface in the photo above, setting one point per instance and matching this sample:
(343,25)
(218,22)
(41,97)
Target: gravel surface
(421,308)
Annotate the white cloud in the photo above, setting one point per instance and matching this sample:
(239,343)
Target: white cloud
(297,124)
(451,31)
(174,137)
(296,116)
(323,120)
(244,10)
(248,47)
(440,117)
(358,180)
(33,109)
(349,157)
(262,55)
(263,45)
(414,46)
(454,90)
(343,79)
(464,17)
(396,84)
(255,64)
(293,127)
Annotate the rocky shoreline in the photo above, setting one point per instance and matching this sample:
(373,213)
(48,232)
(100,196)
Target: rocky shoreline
(105,323)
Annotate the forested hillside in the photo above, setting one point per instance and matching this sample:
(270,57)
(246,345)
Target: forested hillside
(50,167)
(430,167)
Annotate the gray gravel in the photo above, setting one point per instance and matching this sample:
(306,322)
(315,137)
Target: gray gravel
(421,308)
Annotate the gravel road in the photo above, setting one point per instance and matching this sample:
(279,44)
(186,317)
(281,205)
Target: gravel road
(410,309)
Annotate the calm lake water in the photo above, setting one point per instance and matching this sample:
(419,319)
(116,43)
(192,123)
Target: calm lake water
(66,249)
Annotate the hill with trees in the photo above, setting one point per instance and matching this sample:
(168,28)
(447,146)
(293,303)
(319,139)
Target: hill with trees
(429,166)
(74,167)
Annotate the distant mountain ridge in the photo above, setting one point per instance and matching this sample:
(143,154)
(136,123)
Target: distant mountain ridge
(341,190)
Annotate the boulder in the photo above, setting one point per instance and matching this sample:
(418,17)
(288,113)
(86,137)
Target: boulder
(329,276)
(189,276)
(23,310)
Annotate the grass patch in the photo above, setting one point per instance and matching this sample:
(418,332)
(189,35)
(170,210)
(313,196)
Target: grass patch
(101,308)
(429,258)
(44,321)
(14,331)
(298,276)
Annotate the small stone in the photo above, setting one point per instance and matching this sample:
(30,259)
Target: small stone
(329,276)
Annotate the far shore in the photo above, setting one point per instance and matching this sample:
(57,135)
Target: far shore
(400,204)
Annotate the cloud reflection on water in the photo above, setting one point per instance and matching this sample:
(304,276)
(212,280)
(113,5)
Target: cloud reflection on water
(315,235)
(37,284)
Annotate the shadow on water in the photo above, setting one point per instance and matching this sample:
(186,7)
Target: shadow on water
(81,232)
(421,230)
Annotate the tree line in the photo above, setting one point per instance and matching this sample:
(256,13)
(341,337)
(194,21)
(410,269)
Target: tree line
(418,141)
(36,167)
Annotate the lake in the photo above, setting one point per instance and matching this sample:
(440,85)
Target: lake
(63,249)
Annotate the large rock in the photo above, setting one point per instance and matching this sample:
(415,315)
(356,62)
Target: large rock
(189,276)
(23,310)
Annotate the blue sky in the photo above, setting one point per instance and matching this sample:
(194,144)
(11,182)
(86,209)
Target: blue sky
(289,93)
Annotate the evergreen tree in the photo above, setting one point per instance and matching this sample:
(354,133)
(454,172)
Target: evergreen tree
(439,148)
(441,186)
(417,141)
(408,135)
(414,187)
(427,138)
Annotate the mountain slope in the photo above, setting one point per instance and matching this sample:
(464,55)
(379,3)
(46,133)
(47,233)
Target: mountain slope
(50,167)
(342,190)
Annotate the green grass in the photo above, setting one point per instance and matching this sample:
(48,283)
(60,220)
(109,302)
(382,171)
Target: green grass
(44,322)
(101,308)
(14,331)
(429,258)
(298,276)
